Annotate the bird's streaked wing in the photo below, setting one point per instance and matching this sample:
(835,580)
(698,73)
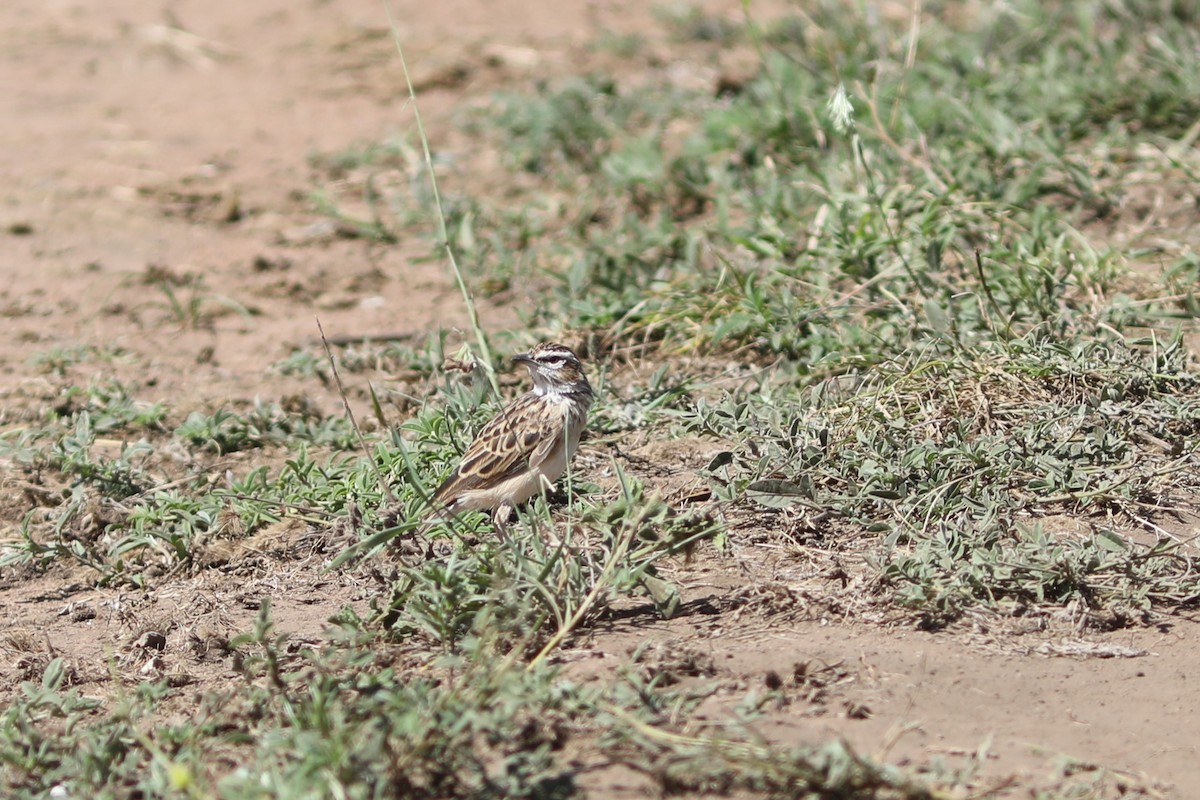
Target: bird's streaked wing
(512,442)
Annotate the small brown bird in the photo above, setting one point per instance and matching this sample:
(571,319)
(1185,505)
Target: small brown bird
(525,448)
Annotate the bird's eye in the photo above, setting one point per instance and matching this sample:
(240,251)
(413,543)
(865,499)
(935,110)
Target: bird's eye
(556,363)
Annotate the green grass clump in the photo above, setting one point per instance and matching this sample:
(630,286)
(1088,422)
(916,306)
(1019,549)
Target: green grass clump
(952,462)
(57,360)
(943,197)
(354,720)
(536,589)
(226,431)
(775,223)
(107,498)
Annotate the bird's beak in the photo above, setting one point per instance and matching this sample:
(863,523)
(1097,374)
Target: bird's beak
(522,358)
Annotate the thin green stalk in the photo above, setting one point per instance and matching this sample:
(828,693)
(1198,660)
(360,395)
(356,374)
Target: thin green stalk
(877,198)
(485,350)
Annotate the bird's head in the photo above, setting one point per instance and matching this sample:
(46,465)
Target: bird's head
(555,369)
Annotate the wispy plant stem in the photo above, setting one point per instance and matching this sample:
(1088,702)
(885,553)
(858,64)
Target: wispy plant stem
(485,350)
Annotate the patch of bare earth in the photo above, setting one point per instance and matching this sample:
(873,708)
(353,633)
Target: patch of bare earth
(151,151)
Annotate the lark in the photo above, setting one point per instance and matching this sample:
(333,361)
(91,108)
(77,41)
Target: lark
(525,448)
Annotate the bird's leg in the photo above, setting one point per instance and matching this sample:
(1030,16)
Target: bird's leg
(500,520)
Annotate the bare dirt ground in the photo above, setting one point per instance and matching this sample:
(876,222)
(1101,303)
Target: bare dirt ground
(131,151)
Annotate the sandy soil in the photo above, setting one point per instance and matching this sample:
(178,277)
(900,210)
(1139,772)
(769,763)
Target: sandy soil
(140,140)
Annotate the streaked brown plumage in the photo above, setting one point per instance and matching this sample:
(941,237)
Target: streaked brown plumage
(525,448)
